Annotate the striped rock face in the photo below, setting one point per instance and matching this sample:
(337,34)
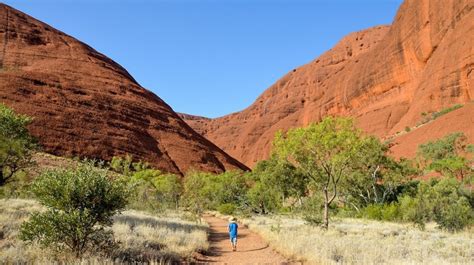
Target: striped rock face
(385,77)
(85,104)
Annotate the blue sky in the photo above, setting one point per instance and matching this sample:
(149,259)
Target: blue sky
(210,57)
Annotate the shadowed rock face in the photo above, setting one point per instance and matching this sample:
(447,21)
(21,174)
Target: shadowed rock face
(385,77)
(85,104)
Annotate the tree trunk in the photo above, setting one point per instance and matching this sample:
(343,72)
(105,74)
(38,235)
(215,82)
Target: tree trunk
(2,181)
(326,209)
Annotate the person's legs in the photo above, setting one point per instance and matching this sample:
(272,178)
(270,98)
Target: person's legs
(234,243)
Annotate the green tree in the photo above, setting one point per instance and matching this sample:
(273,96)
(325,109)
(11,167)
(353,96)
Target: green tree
(16,145)
(126,166)
(230,188)
(145,193)
(441,201)
(264,198)
(157,188)
(168,189)
(376,178)
(447,156)
(283,175)
(273,182)
(80,203)
(451,209)
(204,191)
(200,192)
(325,152)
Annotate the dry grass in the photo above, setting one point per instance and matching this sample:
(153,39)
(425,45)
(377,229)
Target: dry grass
(142,238)
(355,241)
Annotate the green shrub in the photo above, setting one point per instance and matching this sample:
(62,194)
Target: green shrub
(263,199)
(80,204)
(126,166)
(454,217)
(155,191)
(226,208)
(427,118)
(446,110)
(441,201)
(199,192)
(373,211)
(415,210)
(16,145)
(390,212)
(206,191)
(451,210)
(448,156)
(385,212)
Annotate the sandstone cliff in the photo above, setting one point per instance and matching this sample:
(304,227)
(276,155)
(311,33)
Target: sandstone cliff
(385,77)
(85,104)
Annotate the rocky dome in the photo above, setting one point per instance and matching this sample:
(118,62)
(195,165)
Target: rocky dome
(85,104)
(385,77)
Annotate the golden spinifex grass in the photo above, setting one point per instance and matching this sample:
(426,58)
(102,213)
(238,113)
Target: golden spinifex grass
(142,237)
(357,241)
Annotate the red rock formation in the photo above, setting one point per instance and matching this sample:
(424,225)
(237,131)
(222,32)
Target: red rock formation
(85,104)
(461,120)
(385,77)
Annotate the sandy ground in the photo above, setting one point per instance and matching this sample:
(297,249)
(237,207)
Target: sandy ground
(251,248)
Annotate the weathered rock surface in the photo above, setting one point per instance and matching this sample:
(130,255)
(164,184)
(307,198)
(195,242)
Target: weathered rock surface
(85,104)
(460,120)
(385,77)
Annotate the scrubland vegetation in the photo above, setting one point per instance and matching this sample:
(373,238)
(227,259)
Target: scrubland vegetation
(331,168)
(360,241)
(77,213)
(139,237)
(328,194)
(427,117)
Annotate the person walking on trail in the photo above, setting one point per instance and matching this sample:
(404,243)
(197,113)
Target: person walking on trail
(233,227)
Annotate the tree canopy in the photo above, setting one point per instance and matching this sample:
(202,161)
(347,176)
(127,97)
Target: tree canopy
(16,144)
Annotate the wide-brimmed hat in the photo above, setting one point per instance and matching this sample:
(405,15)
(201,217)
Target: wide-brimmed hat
(232,219)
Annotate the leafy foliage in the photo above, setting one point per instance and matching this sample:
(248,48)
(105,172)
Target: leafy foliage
(126,166)
(447,156)
(16,145)
(274,181)
(451,210)
(325,152)
(446,110)
(80,204)
(442,202)
(426,118)
(208,191)
(227,208)
(376,178)
(156,190)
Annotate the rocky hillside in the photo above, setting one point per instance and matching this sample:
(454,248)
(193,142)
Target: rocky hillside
(385,77)
(85,104)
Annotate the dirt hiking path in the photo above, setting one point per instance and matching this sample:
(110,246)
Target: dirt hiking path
(251,248)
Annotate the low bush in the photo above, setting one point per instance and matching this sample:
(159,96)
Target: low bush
(80,204)
(385,212)
(16,145)
(451,210)
(427,118)
(226,208)
(391,212)
(443,202)
(446,110)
